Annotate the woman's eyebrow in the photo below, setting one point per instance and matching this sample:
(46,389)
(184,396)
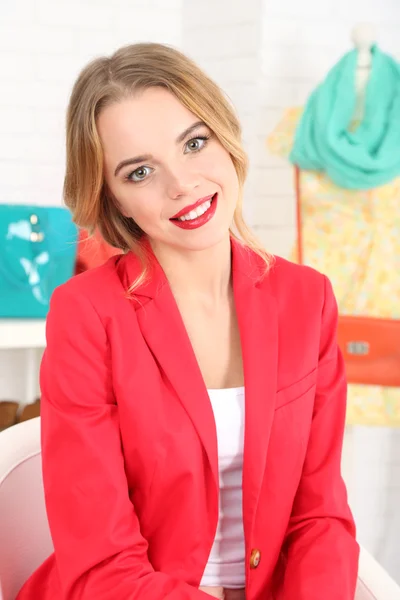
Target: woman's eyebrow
(147,157)
(132,161)
(189,130)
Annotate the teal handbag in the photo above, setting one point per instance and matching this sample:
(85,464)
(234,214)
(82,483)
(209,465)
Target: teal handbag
(38,248)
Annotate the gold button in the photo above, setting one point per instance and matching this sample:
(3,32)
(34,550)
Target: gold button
(255,558)
(34,219)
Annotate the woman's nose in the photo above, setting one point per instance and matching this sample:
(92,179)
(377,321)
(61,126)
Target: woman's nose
(181,183)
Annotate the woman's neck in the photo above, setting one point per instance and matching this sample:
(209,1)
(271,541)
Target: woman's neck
(203,276)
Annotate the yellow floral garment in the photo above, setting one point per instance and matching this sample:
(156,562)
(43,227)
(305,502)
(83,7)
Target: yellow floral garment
(354,238)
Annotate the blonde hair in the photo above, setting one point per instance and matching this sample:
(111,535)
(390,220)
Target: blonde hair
(109,79)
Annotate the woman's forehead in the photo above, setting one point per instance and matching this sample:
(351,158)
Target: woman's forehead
(145,123)
(152,112)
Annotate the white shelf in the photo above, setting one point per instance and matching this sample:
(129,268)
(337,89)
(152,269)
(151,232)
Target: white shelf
(22,333)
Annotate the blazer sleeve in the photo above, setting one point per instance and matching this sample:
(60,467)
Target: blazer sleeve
(320,548)
(99,550)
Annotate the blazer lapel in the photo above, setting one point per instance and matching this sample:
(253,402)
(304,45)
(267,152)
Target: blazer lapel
(258,324)
(162,326)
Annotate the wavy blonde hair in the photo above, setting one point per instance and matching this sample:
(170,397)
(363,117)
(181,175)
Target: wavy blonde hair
(110,79)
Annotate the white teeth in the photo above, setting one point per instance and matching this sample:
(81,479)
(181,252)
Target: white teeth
(200,210)
(197,212)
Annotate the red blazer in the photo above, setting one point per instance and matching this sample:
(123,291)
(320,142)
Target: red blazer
(130,450)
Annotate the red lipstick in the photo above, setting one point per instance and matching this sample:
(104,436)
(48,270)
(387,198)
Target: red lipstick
(187,209)
(198,221)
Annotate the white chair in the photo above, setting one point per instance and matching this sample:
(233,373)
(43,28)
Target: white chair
(24,531)
(374,583)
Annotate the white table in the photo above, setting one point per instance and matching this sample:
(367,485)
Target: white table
(29,335)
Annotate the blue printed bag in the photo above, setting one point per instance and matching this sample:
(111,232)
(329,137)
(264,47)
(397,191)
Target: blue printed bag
(38,248)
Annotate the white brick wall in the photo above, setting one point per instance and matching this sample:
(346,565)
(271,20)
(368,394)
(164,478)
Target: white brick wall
(43,45)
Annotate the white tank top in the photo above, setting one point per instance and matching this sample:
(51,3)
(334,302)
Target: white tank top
(226,563)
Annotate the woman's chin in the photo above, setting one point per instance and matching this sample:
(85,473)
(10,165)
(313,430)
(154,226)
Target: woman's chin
(196,240)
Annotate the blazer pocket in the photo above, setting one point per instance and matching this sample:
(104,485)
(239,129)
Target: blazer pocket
(296,390)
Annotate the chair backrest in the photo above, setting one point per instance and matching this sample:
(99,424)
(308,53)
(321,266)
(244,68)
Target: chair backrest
(374,582)
(24,530)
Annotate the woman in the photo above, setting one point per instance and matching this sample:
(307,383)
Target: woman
(193,394)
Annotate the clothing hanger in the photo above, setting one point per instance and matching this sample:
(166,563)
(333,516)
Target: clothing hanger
(363,37)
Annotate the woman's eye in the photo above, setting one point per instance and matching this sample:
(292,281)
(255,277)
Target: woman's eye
(140,174)
(196,144)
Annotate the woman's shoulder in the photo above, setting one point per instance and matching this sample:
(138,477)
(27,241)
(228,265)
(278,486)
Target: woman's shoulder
(283,269)
(278,274)
(97,286)
(296,282)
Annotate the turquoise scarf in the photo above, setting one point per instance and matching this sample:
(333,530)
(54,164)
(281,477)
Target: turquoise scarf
(367,157)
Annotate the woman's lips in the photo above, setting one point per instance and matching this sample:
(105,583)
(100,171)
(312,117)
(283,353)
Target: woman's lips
(187,209)
(202,219)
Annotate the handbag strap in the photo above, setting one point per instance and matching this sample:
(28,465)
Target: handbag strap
(299,219)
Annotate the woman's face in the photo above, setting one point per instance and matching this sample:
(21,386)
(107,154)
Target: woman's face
(163,163)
